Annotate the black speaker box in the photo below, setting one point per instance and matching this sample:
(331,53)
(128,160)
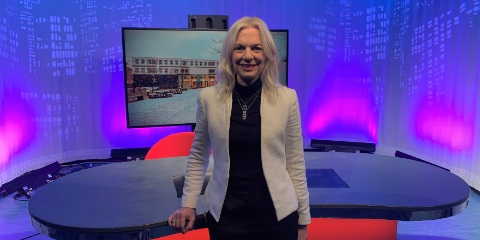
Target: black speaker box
(343,146)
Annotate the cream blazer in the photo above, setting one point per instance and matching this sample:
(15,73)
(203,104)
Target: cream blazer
(281,150)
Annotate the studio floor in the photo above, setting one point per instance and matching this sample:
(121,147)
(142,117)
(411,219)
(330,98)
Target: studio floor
(15,223)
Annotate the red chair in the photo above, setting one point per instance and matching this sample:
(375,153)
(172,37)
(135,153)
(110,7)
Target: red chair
(176,145)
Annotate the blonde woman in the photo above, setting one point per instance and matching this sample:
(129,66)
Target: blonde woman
(258,188)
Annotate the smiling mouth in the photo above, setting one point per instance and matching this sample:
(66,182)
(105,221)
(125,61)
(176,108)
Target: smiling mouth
(248,66)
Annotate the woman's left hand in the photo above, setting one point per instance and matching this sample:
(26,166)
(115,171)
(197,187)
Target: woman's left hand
(302,234)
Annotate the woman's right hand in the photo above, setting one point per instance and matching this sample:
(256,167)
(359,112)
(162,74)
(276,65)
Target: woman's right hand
(178,218)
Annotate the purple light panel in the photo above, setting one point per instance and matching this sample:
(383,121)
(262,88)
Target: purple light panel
(343,107)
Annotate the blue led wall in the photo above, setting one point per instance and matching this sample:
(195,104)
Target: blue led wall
(402,74)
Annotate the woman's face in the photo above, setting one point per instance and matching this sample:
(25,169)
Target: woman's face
(248,56)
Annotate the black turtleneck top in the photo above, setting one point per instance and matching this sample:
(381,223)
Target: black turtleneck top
(246,173)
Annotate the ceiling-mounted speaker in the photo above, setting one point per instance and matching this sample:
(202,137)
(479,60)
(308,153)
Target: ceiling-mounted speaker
(208,21)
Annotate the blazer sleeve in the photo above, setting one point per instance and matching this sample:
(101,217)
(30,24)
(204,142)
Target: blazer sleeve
(198,159)
(295,160)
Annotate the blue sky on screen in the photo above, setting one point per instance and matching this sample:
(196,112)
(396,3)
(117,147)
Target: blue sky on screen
(182,44)
(173,44)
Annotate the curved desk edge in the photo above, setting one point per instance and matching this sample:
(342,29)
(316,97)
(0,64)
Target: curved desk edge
(378,212)
(161,230)
(59,232)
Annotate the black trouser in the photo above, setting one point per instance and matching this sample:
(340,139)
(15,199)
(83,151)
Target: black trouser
(251,217)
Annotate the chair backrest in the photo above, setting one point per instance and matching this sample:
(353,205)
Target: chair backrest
(175,145)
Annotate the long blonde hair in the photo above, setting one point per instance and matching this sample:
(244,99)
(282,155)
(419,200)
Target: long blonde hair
(225,71)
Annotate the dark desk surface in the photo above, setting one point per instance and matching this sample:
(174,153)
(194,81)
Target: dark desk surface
(383,187)
(133,199)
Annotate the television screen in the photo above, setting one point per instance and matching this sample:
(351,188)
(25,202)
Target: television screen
(165,70)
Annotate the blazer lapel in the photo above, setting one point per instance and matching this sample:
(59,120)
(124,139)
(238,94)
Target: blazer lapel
(228,111)
(263,107)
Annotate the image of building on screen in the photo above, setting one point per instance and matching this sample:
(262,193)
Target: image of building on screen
(154,77)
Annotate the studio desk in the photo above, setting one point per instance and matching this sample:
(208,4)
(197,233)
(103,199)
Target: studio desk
(133,200)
